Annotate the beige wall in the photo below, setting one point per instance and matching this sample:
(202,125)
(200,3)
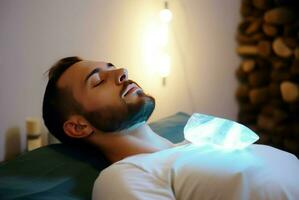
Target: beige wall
(36,33)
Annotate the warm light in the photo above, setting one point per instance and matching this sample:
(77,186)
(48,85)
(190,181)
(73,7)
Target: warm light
(164,65)
(156,45)
(163,35)
(152,45)
(165,15)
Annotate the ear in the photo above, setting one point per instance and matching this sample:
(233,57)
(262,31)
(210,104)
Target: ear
(77,127)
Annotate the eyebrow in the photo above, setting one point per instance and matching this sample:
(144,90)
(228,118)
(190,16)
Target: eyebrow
(97,70)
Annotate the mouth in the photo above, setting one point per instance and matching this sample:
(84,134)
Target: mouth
(130,89)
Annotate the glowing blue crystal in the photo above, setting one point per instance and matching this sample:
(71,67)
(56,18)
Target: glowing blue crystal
(221,133)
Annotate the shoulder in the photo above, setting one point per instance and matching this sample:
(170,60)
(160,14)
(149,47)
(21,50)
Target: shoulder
(129,181)
(116,173)
(116,181)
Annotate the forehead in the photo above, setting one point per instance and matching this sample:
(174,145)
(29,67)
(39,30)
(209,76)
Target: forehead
(77,72)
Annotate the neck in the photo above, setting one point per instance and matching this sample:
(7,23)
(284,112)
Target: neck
(138,139)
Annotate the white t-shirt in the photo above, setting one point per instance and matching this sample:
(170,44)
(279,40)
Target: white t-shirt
(189,172)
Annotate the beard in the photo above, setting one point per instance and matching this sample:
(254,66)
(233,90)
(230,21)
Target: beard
(116,118)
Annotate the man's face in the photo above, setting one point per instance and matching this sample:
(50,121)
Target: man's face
(110,101)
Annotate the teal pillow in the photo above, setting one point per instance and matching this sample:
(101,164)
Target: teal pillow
(52,172)
(62,172)
(172,127)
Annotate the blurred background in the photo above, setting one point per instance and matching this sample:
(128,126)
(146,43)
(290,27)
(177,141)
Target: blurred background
(188,63)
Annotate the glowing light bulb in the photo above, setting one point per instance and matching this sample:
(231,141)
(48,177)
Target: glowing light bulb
(165,15)
(156,55)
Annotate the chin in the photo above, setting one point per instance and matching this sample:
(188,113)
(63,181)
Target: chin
(142,109)
(115,118)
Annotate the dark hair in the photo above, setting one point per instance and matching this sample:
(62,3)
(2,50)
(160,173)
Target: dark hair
(59,103)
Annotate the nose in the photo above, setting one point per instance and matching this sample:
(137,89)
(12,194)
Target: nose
(121,75)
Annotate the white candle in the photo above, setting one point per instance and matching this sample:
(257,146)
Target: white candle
(32,126)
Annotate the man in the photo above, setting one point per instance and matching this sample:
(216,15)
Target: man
(94,104)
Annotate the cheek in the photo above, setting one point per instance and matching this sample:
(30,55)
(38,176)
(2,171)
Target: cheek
(102,99)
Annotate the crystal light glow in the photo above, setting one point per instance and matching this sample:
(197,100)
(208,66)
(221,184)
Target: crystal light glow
(218,132)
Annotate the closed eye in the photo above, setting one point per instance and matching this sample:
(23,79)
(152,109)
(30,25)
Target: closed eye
(99,83)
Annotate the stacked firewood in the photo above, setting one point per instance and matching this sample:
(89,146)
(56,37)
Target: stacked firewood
(268,94)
